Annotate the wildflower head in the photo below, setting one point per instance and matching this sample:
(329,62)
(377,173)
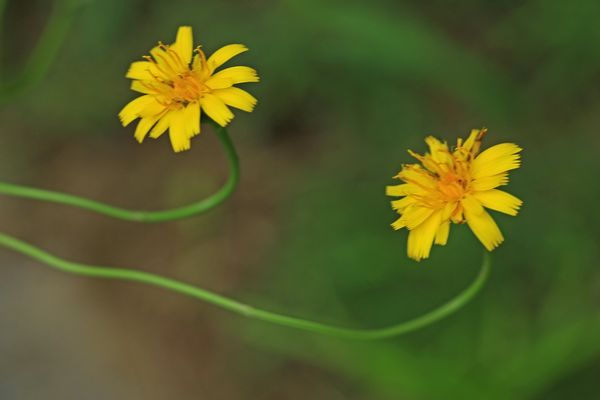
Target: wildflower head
(179,83)
(454,185)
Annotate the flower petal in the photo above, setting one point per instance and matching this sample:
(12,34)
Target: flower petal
(192,117)
(224,54)
(161,126)
(143,70)
(216,109)
(481,223)
(140,87)
(401,190)
(177,131)
(133,109)
(236,97)
(398,224)
(495,160)
(418,176)
(415,215)
(400,205)
(184,44)
(143,127)
(499,200)
(441,236)
(438,151)
(489,182)
(421,238)
(231,76)
(468,144)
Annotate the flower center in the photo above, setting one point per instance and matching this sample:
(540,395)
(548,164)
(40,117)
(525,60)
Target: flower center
(176,83)
(186,88)
(452,187)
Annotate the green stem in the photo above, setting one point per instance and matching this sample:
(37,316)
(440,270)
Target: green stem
(45,51)
(133,215)
(245,310)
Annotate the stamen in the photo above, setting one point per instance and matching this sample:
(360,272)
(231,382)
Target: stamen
(477,144)
(176,57)
(167,64)
(202,56)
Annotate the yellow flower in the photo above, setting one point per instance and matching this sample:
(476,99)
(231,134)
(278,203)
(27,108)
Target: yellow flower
(178,85)
(454,186)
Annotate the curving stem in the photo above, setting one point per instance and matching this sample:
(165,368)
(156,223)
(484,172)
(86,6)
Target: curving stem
(443,311)
(134,215)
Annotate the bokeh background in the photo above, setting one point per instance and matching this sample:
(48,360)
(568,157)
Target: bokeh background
(347,86)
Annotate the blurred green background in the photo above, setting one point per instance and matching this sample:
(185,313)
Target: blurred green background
(347,87)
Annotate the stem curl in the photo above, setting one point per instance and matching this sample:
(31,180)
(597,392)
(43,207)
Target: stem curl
(134,215)
(246,310)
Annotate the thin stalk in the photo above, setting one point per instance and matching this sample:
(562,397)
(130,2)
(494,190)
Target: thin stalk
(244,309)
(134,215)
